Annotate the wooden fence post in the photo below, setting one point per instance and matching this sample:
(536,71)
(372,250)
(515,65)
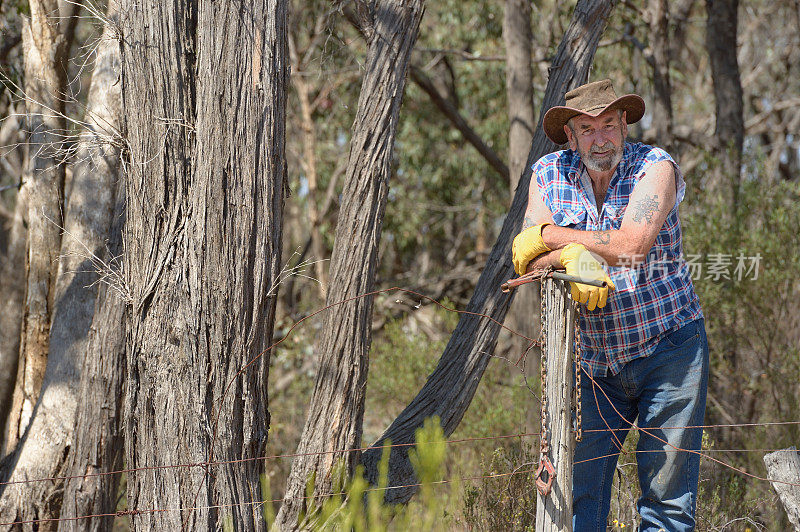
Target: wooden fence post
(554,511)
(784,466)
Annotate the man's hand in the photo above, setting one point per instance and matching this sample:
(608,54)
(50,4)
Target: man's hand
(527,246)
(581,263)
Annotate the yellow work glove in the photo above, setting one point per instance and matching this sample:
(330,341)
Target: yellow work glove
(527,246)
(580,263)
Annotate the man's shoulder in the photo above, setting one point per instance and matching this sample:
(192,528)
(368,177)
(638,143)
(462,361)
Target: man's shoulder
(637,156)
(557,161)
(638,151)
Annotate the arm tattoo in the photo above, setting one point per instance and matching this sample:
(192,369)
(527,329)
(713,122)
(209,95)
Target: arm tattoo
(644,209)
(602,237)
(527,223)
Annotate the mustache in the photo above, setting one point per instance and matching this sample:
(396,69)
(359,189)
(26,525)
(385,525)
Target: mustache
(605,147)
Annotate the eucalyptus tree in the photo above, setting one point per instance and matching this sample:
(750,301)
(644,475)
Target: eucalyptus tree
(336,409)
(204,118)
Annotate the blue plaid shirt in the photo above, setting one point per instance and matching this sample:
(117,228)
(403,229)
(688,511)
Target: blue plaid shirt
(650,299)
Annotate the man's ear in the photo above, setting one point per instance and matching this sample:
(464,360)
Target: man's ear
(573,145)
(624,120)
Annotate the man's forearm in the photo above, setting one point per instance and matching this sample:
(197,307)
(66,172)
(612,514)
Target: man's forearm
(614,246)
(551,259)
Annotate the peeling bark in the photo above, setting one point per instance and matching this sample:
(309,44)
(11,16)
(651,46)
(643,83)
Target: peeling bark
(204,98)
(43,447)
(336,410)
(44,59)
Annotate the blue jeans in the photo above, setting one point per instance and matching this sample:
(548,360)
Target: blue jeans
(666,389)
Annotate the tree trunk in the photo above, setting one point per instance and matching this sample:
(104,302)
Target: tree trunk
(204,98)
(43,51)
(336,410)
(87,220)
(98,439)
(660,45)
(12,298)
(450,388)
(679,16)
(519,86)
(523,316)
(721,32)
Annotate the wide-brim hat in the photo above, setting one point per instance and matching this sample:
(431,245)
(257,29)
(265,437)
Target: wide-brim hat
(591,99)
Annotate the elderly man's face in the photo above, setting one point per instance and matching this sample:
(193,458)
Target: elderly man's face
(598,140)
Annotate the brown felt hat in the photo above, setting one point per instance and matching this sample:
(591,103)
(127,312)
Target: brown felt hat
(591,99)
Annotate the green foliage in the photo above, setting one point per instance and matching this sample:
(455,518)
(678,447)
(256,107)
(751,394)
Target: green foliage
(357,506)
(502,501)
(403,357)
(751,322)
(725,497)
(749,318)
(399,345)
(378,513)
(427,457)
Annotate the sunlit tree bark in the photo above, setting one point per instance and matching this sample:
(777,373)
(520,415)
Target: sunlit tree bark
(204,100)
(44,49)
(336,410)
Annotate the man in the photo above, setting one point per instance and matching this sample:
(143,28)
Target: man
(608,209)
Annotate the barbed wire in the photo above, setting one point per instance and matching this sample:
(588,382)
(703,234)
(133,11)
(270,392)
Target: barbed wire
(648,432)
(394,445)
(516,471)
(269,457)
(421,297)
(212,462)
(122,513)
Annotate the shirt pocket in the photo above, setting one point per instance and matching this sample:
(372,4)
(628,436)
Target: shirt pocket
(570,217)
(614,214)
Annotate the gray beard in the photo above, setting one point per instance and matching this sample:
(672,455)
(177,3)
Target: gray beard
(602,165)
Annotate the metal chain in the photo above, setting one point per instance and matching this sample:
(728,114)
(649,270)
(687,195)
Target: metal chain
(545,472)
(544,445)
(544,442)
(578,364)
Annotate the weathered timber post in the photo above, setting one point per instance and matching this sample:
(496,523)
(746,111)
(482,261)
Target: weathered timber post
(784,466)
(554,510)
